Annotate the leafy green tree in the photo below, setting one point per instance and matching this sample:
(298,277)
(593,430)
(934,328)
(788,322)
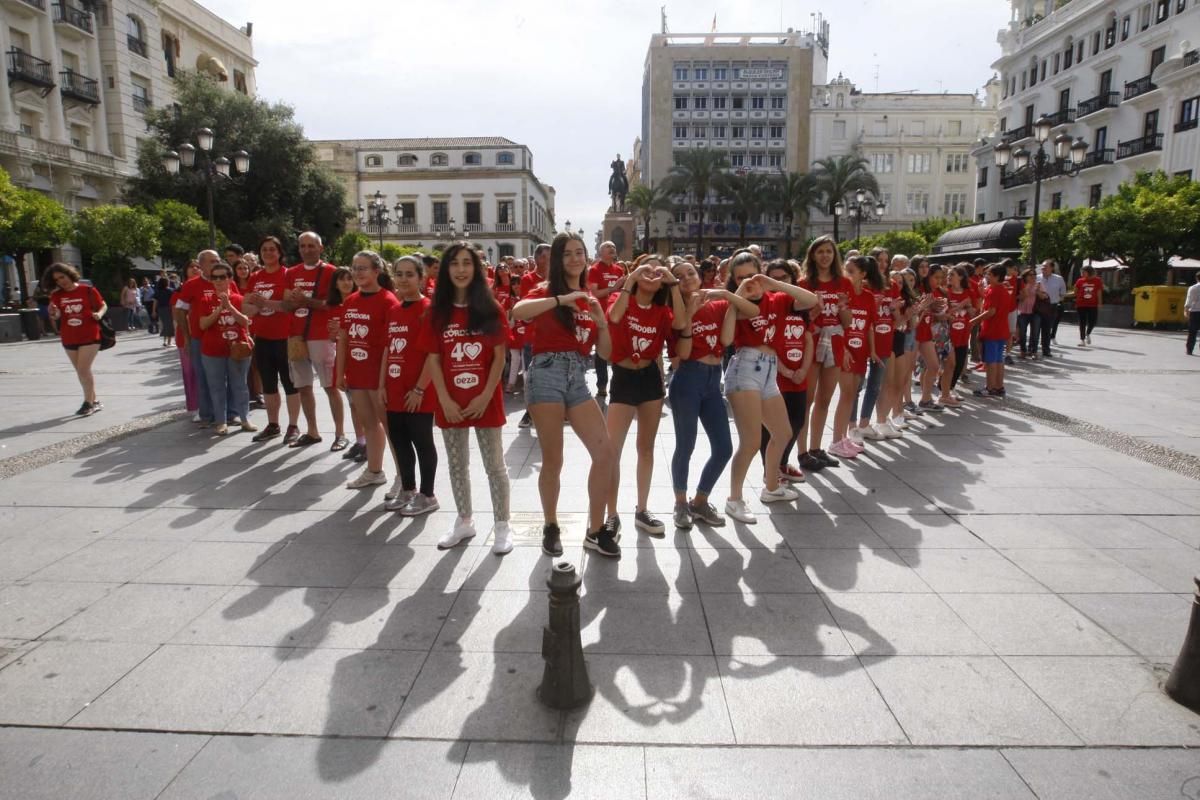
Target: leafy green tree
(109,236)
(646,200)
(838,176)
(907,243)
(29,221)
(183,232)
(345,246)
(695,173)
(1055,238)
(285,192)
(792,195)
(1147,220)
(748,194)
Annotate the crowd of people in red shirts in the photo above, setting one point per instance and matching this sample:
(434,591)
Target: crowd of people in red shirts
(425,343)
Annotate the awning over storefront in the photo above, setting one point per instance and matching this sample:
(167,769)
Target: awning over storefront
(991,240)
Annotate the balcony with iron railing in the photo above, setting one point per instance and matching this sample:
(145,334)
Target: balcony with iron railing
(1187,124)
(141,103)
(505,227)
(1097,103)
(26,67)
(79,87)
(75,17)
(1064,116)
(1096,158)
(1140,146)
(1191,58)
(136,45)
(38,4)
(1014,134)
(1139,87)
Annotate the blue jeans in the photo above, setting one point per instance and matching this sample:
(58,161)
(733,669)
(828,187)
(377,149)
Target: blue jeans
(875,373)
(206,406)
(228,393)
(696,398)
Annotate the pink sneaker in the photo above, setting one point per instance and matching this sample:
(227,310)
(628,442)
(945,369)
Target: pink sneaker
(843,449)
(856,445)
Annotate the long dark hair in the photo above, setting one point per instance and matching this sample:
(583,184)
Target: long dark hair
(663,296)
(964,276)
(58,268)
(871,273)
(908,293)
(556,277)
(810,261)
(483,314)
(334,297)
(925,287)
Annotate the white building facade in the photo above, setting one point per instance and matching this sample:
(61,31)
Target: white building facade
(1122,75)
(918,147)
(480,189)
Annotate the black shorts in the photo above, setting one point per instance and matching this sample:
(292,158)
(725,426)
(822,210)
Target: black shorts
(77,346)
(898,343)
(271,361)
(632,387)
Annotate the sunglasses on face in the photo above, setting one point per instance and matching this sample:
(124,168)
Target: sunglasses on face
(220,277)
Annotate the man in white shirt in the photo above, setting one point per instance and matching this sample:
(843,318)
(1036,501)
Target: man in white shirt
(1056,290)
(1192,306)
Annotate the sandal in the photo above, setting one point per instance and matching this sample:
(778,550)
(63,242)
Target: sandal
(339,444)
(305,440)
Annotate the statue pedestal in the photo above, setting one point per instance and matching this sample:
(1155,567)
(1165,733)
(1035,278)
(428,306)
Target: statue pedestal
(621,230)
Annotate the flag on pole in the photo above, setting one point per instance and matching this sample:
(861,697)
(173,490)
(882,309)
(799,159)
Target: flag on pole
(714,27)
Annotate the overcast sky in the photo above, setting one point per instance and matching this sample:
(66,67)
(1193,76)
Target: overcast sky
(564,77)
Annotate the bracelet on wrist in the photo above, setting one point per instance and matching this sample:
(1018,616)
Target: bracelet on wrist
(684,336)
(418,391)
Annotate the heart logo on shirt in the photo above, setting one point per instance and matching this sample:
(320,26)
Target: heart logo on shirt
(712,342)
(398,345)
(640,343)
(472,349)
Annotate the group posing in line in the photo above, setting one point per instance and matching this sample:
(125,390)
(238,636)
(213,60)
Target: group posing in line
(422,342)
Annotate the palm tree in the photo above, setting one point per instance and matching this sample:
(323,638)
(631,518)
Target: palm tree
(838,176)
(749,193)
(646,200)
(794,194)
(695,172)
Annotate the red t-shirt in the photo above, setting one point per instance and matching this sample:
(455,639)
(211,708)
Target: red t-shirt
(925,321)
(960,319)
(195,292)
(550,336)
(530,281)
(216,340)
(1011,282)
(269,323)
(77,325)
(1088,292)
(706,329)
(405,358)
(827,309)
(429,287)
(760,330)
(640,333)
(466,358)
(604,276)
(996,326)
(305,279)
(862,320)
(502,291)
(885,326)
(789,346)
(364,319)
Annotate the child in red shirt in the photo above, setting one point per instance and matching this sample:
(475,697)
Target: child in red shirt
(1089,294)
(994,331)
(78,310)
(794,346)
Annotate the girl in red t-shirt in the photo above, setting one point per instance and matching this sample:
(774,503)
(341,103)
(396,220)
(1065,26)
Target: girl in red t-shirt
(962,309)
(860,352)
(361,347)
(646,307)
(78,309)
(404,388)
(793,344)
(906,309)
(883,332)
(466,340)
(933,339)
(1089,294)
(822,272)
(565,322)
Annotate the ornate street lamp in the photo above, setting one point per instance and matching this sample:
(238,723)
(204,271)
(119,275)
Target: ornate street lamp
(376,216)
(211,168)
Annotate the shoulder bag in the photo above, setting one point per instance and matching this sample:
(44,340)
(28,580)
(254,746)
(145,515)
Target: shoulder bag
(108,336)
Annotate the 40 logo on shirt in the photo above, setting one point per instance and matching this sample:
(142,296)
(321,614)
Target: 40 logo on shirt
(581,335)
(640,343)
(358,330)
(72,308)
(793,333)
(359,354)
(858,324)
(398,345)
(469,351)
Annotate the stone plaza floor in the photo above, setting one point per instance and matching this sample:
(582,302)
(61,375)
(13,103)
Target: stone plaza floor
(986,609)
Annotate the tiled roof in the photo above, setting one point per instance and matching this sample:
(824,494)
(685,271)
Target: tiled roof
(424,144)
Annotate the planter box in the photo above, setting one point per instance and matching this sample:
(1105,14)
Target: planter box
(10,328)
(1115,317)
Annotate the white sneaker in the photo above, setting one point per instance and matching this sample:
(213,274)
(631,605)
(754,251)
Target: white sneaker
(397,488)
(899,423)
(502,538)
(855,435)
(196,417)
(871,432)
(1089,340)
(367,479)
(889,431)
(737,509)
(781,493)
(464,528)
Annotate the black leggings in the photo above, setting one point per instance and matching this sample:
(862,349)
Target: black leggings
(796,408)
(411,436)
(960,361)
(1087,320)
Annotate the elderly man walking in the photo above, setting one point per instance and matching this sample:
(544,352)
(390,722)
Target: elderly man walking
(1056,290)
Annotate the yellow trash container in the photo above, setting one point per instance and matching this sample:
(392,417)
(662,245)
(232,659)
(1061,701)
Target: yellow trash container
(1159,305)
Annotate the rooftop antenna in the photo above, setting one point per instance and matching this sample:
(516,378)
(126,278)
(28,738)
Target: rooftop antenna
(663,11)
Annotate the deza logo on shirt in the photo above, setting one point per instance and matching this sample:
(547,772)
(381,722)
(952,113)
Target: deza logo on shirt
(359,353)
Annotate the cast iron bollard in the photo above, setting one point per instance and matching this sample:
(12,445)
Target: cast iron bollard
(565,681)
(1184,684)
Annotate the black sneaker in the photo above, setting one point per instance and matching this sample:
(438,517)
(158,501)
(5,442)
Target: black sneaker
(361,457)
(352,453)
(96,406)
(810,463)
(603,542)
(613,523)
(707,513)
(257,402)
(293,433)
(1009,360)
(649,524)
(551,541)
(827,459)
(269,432)
(526,421)
(84,410)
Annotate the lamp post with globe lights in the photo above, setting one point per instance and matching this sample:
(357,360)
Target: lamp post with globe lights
(377,216)
(860,210)
(212,169)
(1068,160)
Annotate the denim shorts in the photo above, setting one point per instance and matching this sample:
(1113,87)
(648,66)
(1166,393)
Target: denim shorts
(557,378)
(752,370)
(910,340)
(993,351)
